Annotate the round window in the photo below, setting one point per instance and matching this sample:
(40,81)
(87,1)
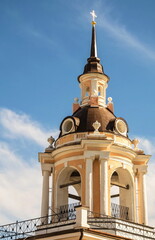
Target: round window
(121,127)
(68,126)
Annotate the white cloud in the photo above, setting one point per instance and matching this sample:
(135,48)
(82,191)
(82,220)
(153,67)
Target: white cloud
(20,178)
(147,145)
(119,32)
(20,125)
(39,36)
(150,181)
(149,148)
(20,186)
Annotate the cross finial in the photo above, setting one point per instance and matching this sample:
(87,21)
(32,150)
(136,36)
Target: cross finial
(93,15)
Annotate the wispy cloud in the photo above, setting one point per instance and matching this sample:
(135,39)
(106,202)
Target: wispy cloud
(121,33)
(18,125)
(119,30)
(20,186)
(28,29)
(20,178)
(149,148)
(150,180)
(37,35)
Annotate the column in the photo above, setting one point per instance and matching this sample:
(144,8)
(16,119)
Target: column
(89,183)
(46,172)
(142,198)
(104,187)
(45,194)
(136,215)
(94,87)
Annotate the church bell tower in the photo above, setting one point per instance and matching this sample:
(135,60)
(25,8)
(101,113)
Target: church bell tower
(93,163)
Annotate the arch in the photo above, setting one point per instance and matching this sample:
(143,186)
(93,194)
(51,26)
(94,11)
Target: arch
(87,91)
(100,91)
(64,187)
(122,190)
(114,190)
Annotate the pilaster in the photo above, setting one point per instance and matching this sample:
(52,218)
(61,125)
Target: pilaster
(89,183)
(104,199)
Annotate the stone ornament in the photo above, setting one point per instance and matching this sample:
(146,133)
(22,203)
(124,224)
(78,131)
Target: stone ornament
(51,141)
(109,99)
(76,100)
(135,142)
(96,125)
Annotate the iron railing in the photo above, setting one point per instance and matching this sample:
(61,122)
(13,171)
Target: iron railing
(67,216)
(122,227)
(68,211)
(24,229)
(118,211)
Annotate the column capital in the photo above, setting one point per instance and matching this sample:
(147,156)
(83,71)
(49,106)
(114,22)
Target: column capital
(104,159)
(45,157)
(47,167)
(141,159)
(140,169)
(90,158)
(104,156)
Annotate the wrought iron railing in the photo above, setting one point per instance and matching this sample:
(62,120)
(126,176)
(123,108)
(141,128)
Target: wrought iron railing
(67,216)
(23,229)
(120,226)
(68,212)
(118,211)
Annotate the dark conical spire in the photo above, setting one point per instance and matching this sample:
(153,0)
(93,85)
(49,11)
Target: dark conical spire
(93,50)
(93,62)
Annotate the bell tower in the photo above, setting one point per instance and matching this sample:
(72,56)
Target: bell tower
(93,163)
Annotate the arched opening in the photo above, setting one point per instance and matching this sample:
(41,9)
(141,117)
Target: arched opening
(87,93)
(74,191)
(122,194)
(100,91)
(68,192)
(115,193)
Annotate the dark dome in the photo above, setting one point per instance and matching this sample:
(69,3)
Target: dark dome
(88,115)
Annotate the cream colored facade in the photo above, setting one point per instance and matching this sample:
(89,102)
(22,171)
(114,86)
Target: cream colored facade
(96,157)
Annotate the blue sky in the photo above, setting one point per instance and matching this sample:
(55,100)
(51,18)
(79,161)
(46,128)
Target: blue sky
(44,45)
